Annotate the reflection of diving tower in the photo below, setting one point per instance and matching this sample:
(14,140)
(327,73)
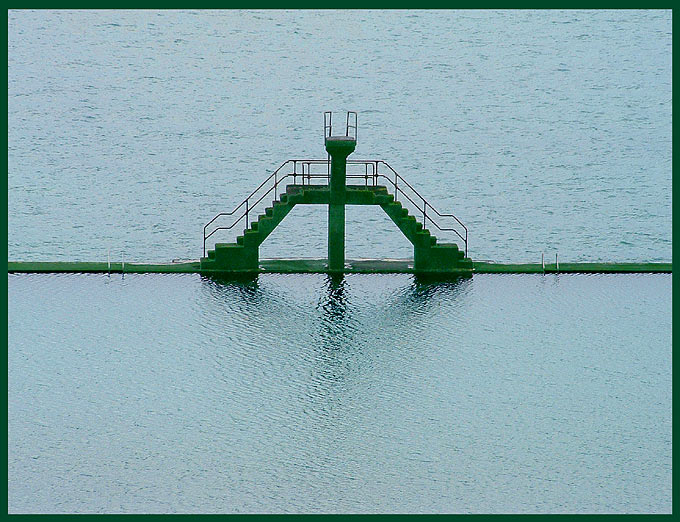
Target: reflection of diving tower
(324,182)
(338,148)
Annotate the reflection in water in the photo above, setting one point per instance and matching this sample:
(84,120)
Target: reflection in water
(222,289)
(337,349)
(368,392)
(424,287)
(246,283)
(335,306)
(343,337)
(352,332)
(335,318)
(418,296)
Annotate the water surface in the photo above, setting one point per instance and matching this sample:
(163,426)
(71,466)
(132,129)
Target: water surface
(376,393)
(544,131)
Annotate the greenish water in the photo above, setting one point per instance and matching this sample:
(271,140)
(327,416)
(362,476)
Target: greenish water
(544,131)
(500,393)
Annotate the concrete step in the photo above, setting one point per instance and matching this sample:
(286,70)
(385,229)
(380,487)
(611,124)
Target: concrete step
(381,199)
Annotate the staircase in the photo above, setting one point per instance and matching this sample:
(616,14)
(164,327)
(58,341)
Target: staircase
(243,255)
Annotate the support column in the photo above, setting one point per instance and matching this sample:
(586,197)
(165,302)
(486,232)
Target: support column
(339,147)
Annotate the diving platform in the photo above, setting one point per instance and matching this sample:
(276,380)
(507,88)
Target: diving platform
(325,182)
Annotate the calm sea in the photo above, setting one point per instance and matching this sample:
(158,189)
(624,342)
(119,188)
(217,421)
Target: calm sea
(545,132)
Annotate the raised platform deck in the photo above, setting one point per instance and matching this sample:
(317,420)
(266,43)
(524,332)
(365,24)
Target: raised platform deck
(318,266)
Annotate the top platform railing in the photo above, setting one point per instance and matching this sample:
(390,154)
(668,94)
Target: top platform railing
(350,125)
(315,171)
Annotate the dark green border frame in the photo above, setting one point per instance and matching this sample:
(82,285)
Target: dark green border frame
(358,518)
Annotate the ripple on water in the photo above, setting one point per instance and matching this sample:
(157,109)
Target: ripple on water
(369,392)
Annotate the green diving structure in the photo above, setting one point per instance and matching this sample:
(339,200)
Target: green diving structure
(312,186)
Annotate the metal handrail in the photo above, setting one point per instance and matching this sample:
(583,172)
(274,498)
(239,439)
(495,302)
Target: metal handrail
(328,124)
(425,205)
(394,178)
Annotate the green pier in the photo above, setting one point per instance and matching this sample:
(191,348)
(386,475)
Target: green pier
(319,266)
(325,182)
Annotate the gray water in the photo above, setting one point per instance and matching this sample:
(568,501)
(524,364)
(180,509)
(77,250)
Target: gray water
(543,131)
(379,393)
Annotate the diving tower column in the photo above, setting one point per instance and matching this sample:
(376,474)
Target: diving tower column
(338,147)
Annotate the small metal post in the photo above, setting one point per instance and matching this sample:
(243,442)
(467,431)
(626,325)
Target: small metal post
(395,187)
(275,189)
(424,212)
(557,264)
(246,214)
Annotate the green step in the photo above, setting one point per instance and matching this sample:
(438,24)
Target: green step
(269,211)
(250,238)
(382,199)
(222,246)
(264,224)
(453,246)
(425,238)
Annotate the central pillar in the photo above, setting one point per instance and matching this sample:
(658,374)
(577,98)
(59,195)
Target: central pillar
(338,147)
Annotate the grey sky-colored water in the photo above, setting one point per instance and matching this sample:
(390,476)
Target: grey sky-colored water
(544,131)
(377,394)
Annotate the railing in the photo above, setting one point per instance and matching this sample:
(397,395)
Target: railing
(351,123)
(302,170)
